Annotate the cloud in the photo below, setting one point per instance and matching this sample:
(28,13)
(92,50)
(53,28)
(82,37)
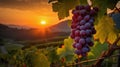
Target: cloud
(23,4)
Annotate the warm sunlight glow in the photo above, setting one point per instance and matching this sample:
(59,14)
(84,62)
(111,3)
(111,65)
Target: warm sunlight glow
(43,22)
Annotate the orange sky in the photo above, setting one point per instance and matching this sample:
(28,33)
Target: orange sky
(27,15)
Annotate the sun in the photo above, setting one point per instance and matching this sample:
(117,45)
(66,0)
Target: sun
(43,22)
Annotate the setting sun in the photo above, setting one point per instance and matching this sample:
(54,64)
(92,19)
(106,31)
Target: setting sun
(43,22)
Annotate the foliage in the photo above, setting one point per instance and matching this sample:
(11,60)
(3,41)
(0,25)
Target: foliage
(30,57)
(52,55)
(34,58)
(97,49)
(63,7)
(106,27)
(106,30)
(67,50)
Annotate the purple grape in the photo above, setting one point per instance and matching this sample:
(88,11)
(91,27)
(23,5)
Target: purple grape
(77,7)
(82,41)
(82,27)
(78,27)
(78,46)
(84,54)
(87,17)
(74,19)
(82,33)
(92,12)
(77,33)
(87,25)
(73,11)
(93,30)
(88,40)
(77,39)
(78,52)
(74,45)
(85,49)
(87,7)
(88,32)
(72,36)
(76,13)
(83,12)
(73,31)
(73,26)
(91,21)
(79,18)
(82,22)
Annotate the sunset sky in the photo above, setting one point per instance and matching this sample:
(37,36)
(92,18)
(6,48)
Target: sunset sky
(27,12)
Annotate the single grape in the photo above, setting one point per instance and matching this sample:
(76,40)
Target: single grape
(88,32)
(76,13)
(87,25)
(91,21)
(84,54)
(83,12)
(82,22)
(77,39)
(93,30)
(73,11)
(82,27)
(82,41)
(78,52)
(77,33)
(73,31)
(87,7)
(78,27)
(74,45)
(78,46)
(73,25)
(82,33)
(72,36)
(88,40)
(92,12)
(79,18)
(74,18)
(87,17)
(85,49)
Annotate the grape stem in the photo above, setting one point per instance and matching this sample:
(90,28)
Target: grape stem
(107,53)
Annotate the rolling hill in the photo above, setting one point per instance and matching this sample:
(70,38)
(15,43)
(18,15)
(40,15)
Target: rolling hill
(60,29)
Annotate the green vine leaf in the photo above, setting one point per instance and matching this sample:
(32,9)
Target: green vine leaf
(97,49)
(40,60)
(62,7)
(106,30)
(67,51)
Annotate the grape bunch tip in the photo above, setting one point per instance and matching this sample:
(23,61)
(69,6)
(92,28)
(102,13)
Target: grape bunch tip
(82,28)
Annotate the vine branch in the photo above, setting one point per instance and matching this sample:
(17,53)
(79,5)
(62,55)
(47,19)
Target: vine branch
(107,53)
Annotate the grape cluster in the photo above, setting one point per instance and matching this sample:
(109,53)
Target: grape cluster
(82,28)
